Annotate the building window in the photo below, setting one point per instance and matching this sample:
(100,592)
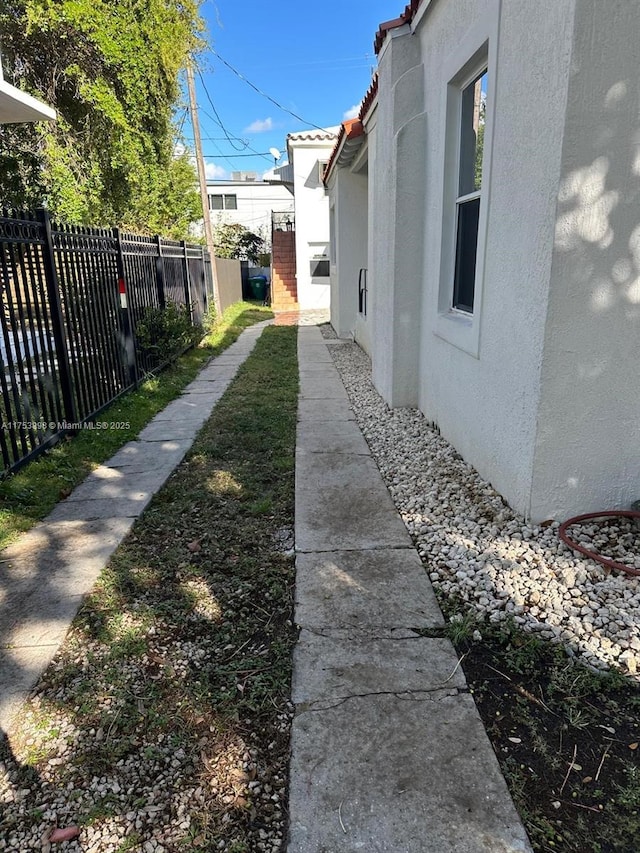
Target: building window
(320,269)
(469,190)
(322,165)
(223,202)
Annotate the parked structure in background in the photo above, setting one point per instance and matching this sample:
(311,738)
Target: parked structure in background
(493,177)
(248,201)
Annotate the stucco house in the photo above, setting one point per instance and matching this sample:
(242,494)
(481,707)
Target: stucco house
(248,201)
(308,153)
(490,188)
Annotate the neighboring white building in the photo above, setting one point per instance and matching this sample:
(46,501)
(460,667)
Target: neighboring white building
(504,278)
(349,188)
(248,201)
(309,152)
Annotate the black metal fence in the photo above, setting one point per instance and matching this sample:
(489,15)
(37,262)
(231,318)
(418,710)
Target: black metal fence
(71,300)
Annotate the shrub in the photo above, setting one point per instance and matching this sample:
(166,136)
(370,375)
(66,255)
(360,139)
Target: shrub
(162,334)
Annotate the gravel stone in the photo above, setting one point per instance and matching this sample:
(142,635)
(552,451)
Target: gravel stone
(476,547)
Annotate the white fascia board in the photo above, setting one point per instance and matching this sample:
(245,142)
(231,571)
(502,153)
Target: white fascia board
(17,106)
(370,118)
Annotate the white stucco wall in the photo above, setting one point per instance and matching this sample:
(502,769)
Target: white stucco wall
(397,214)
(587,456)
(255,200)
(349,193)
(312,218)
(480,377)
(364,325)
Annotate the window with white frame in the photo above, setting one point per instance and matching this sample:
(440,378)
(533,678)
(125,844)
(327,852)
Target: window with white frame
(469,188)
(223,202)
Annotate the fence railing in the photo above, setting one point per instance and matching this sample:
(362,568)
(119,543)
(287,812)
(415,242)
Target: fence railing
(283,220)
(71,299)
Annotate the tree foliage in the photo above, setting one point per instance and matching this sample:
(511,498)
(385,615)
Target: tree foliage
(232,240)
(111,70)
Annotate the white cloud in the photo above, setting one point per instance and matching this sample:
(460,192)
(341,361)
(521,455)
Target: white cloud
(352,112)
(213,171)
(260,125)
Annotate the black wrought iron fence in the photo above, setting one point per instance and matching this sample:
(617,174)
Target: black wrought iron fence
(71,300)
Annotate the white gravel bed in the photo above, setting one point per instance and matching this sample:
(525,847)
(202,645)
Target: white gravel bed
(478,549)
(145,802)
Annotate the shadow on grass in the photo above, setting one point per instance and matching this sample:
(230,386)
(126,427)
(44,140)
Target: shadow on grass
(31,493)
(168,701)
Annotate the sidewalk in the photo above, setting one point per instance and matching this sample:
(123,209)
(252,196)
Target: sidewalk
(388,750)
(46,574)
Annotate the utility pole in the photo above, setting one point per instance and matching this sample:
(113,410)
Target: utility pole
(202,178)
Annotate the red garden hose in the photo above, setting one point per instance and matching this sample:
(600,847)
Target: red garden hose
(606,561)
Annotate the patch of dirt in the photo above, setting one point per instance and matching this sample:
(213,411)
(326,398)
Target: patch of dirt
(567,740)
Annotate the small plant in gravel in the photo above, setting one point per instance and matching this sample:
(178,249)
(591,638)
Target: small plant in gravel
(566,739)
(170,696)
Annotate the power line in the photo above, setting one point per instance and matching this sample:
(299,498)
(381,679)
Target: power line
(228,135)
(264,94)
(180,125)
(217,147)
(233,156)
(209,138)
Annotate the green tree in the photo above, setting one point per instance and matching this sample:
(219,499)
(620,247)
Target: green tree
(231,240)
(111,70)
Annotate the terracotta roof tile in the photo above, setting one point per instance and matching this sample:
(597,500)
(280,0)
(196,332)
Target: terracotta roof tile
(369,98)
(405,18)
(311,135)
(353,127)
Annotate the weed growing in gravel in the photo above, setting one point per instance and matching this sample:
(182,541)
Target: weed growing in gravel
(566,739)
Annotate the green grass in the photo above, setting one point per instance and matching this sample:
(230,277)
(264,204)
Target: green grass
(186,641)
(31,493)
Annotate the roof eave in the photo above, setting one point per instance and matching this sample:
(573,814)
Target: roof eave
(17,106)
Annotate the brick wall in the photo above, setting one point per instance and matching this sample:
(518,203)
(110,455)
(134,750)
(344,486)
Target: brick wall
(284,289)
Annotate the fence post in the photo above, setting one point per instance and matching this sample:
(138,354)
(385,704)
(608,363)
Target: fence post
(128,340)
(57,320)
(187,281)
(162,299)
(205,284)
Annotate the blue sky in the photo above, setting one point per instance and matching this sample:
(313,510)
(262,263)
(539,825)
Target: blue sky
(315,63)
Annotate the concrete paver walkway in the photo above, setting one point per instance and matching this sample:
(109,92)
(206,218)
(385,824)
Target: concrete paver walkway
(388,750)
(46,574)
